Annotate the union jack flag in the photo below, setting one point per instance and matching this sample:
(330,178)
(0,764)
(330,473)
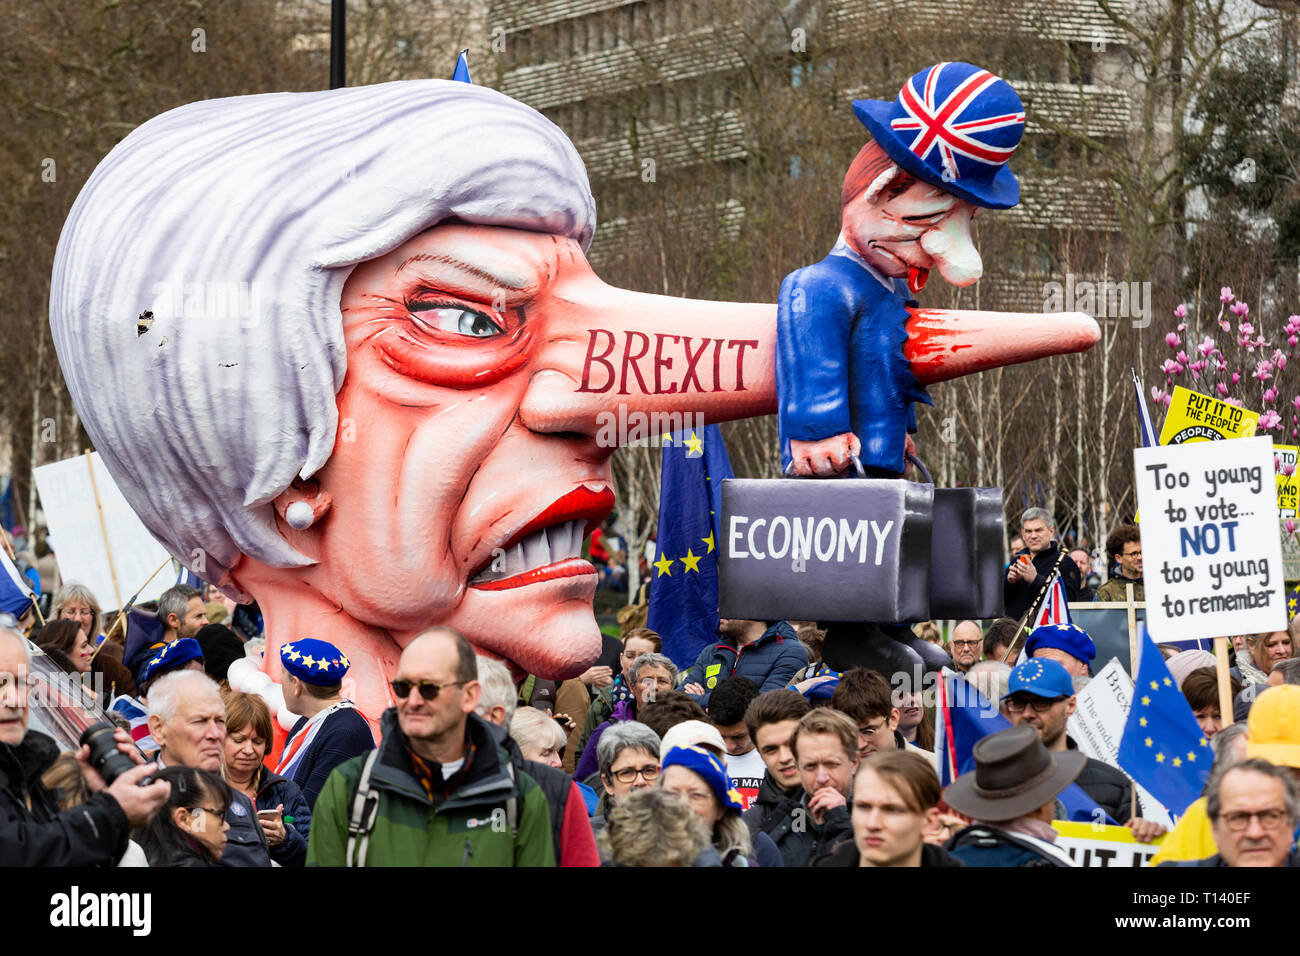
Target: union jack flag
(1055,610)
(935,108)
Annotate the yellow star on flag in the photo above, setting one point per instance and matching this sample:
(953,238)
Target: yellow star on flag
(694,447)
(1148,741)
(709,542)
(1177,762)
(667,439)
(308,661)
(322,664)
(691,562)
(1204,742)
(663,564)
(1155,685)
(1146,701)
(1168,682)
(346,662)
(1191,757)
(1142,721)
(1160,758)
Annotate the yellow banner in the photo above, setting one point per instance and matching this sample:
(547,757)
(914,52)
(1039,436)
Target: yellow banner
(1094,845)
(1196,417)
(1288,487)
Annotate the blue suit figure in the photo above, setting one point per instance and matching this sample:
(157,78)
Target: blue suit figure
(938,152)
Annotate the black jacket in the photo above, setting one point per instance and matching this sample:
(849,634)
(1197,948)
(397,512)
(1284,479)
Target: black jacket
(980,845)
(845,853)
(1292,860)
(790,825)
(344,734)
(274,790)
(1109,788)
(92,834)
(1021,594)
(768,805)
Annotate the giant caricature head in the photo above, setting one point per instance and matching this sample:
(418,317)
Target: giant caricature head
(373,305)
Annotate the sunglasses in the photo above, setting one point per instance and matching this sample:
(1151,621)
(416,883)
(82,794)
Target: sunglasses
(429,690)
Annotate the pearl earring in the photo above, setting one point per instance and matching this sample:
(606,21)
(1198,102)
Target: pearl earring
(299,515)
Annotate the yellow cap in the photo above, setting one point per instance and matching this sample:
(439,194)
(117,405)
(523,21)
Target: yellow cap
(1273,728)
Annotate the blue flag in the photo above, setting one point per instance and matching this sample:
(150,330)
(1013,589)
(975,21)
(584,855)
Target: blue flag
(144,631)
(1163,747)
(963,718)
(16,593)
(461,73)
(684,576)
(8,514)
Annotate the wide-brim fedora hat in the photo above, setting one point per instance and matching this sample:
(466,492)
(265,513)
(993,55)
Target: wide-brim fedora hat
(1014,775)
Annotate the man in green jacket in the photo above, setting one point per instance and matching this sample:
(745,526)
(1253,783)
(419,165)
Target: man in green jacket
(446,793)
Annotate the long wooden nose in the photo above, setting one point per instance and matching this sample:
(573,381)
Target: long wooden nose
(609,351)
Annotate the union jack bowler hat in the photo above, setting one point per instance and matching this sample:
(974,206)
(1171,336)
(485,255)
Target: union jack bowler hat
(953,126)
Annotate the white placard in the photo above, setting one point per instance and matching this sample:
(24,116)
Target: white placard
(1101,710)
(68,500)
(1212,554)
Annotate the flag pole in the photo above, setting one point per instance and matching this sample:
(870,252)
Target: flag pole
(122,612)
(1034,607)
(103,527)
(1132,631)
(36,605)
(1225,689)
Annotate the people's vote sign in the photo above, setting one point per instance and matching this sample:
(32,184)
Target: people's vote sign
(1212,552)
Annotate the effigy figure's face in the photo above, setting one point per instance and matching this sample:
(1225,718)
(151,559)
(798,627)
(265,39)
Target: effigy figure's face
(910,227)
(453,501)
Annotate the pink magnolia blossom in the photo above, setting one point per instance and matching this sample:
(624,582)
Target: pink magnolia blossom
(1180,312)
(1171,368)
(1206,347)
(1181,358)
(1236,377)
(1270,419)
(1269,396)
(1279,359)
(1290,527)
(1172,340)
(1239,308)
(1288,469)
(1182,326)
(1264,370)
(1292,341)
(1225,294)
(1157,395)
(1235,402)
(1222,389)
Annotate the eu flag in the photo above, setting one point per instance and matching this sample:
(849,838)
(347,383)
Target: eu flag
(1163,747)
(963,717)
(684,576)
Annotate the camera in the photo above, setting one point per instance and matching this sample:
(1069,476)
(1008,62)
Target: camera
(104,755)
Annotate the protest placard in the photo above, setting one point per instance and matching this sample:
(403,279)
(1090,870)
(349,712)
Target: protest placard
(1193,417)
(1097,724)
(1213,554)
(1093,846)
(78,537)
(1288,486)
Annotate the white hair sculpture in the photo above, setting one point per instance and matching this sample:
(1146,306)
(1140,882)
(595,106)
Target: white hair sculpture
(236,222)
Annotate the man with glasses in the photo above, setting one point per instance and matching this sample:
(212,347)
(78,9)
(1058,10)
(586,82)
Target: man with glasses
(330,729)
(1124,545)
(439,791)
(965,646)
(1040,693)
(1254,808)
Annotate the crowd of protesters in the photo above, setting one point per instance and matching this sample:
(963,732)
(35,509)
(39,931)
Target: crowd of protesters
(761,758)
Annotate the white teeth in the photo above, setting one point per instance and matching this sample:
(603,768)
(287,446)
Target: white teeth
(547,546)
(537,550)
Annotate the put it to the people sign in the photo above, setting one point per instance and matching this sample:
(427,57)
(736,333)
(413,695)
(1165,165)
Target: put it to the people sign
(1212,553)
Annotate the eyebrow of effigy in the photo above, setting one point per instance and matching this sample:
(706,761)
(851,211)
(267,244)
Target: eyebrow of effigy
(494,281)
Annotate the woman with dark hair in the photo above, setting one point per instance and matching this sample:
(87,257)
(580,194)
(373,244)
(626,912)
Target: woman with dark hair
(282,809)
(67,643)
(66,636)
(190,828)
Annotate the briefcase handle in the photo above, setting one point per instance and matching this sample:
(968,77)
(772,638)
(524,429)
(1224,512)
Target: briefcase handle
(857,465)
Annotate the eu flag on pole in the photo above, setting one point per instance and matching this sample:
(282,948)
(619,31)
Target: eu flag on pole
(1163,747)
(684,577)
(963,718)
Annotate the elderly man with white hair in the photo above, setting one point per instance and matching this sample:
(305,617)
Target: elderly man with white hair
(187,717)
(32,830)
(575,843)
